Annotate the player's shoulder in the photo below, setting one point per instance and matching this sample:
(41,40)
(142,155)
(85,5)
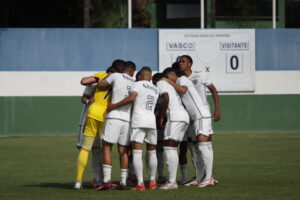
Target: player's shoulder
(127,77)
(184,80)
(100,75)
(163,84)
(149,86)
(201,77)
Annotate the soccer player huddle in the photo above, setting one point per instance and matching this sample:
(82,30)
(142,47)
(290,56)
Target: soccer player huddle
(163,111)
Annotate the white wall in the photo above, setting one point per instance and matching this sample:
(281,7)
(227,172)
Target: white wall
(66,83)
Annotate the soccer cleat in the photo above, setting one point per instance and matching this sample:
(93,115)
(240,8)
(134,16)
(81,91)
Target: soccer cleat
(106,186)
(152,186)
(190,182)
(139,188)
(121,187)
(78,185)
(207,183)
(169,186)
(161,180)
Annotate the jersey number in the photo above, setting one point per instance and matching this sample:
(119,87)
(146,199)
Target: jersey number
(128,90)
(149,103)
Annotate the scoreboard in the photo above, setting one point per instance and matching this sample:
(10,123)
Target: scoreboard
(226,55)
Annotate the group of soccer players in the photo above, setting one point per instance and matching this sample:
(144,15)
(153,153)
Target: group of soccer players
(166,110)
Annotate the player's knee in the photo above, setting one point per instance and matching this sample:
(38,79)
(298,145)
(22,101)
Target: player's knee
(151,147)
(202,138)
(87,143)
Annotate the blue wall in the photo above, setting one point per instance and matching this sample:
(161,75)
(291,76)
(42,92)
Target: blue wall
(95,49)
(75,49)
(277,49)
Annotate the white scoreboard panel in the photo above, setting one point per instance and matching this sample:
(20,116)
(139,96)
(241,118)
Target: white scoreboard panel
(227,55)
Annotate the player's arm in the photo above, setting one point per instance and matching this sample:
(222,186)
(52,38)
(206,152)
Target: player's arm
(103,84)
(106,82)
(127,100)
(215,96)
(180,89)
(87,100)
(163,109)
(89,80)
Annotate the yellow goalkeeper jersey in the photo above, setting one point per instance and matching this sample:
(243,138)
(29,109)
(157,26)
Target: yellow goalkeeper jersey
(97,110)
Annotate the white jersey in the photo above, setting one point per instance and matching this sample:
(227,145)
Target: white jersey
(121,88)
(201,81)
(144,105)
(176,111)
(193,101)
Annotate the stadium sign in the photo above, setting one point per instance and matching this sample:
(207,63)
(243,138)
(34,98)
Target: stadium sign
(227,55)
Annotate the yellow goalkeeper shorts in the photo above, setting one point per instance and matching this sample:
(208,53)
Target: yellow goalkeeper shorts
(92,127)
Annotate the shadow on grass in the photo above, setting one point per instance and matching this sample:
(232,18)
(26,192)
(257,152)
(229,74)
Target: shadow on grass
(69,185)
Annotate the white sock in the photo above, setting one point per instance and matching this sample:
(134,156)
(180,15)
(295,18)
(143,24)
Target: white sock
(184,174)
(160,163)
(97,164)
(124,174)
(207,158)
(199,164)
(107,173)
(138,165)
(152,165)
(193,153)
(211,155)
(172,162)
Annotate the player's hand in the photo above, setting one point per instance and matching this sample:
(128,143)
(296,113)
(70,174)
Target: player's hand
(91,101)
(110,107)
(217,115)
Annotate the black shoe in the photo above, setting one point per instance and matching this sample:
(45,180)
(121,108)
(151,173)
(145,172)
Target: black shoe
(121,187)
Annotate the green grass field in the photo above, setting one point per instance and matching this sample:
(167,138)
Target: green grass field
(248,166)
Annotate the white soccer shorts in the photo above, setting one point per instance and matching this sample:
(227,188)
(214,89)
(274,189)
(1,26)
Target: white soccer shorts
(203,126)
(190,133)
(175,131)
(141,135)
(116,131)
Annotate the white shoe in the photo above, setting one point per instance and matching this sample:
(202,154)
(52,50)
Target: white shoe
(78,185)
(169,186)
(207,183)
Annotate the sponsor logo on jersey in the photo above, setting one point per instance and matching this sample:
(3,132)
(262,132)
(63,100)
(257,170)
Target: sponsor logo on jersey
(127,77)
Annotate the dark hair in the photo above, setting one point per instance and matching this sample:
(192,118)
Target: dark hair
(188,57)
(111,69)
(156,77)
(168,70)
(175,67)
(118,65)
(137,76)
(129,65)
